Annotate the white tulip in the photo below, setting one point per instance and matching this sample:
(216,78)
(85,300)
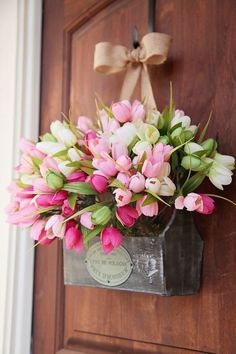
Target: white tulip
(49,147)
(63,134)
(141,146)
(167,187)
(153,185)
(124,135)
(74,155)
(220,175)
(64,169)
(148,133)
(153,117)
(191,148)
(225,160)
(29,179)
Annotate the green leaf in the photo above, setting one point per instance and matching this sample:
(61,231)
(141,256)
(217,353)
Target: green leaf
(87,170)
(80,188)
(178,125)
(60,153)
(199,153)
(21,184)
(37,162)
(174,161)
(48,137)
(141,162)
(73,164)
(91,208)
(72,198)
(90,234)
(157,197)
(194,182)
(116,183)
(149,200)
(136,197)
(203,133)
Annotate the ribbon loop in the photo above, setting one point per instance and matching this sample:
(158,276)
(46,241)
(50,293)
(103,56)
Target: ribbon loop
(153,50)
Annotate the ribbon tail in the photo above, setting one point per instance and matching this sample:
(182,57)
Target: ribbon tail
(130,81)
(146,89)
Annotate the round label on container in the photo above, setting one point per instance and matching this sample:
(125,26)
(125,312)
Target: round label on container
(110,269)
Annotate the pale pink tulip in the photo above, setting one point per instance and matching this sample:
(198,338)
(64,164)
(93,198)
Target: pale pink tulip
(122,111)
(123,163)
(26,165)
(26,145)
(40,186)
(127,215)
(74,239)
(162,151)
(22,214)
(86,221)
(110,238)
(193,201)
(109,125)
(55,226)
(49,164)
(151,168)
(119,149)
(196,202)
(137,183)
(38,233)
(137,110)
(147,210)
(106,166)
(179,202)
(98,146)
(123,178)
(122,197)
(84,124)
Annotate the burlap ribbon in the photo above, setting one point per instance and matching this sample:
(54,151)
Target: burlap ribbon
(110,58)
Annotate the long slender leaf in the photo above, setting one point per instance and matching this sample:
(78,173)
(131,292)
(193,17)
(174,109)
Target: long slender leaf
(91,208)
(89,235)
(72,198)
(157,197)
(203,133)
(80,188)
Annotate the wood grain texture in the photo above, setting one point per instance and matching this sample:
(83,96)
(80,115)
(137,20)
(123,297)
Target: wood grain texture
(201,66)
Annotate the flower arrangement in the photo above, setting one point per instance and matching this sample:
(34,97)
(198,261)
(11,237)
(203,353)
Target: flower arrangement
(101,177)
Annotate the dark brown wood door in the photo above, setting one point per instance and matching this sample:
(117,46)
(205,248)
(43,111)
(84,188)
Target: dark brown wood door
(201,65)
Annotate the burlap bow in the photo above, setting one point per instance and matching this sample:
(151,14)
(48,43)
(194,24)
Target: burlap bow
(110,59)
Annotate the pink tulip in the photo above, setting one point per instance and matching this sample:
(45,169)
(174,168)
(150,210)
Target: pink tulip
(179,202)
(78,176)
(122,111)
(137,183)
(208,205)
(127,215)
(193,201)
(74,239)
(110,238)
(55,226)
(66,209)
(84,124)
(86,221)
(46,200)
(122,197)
(137,110)
(19,192)
(98,182)
(40,186)
(106,166)
(147,210)
(26,145)
(123,178)
(119,149)
(90,135)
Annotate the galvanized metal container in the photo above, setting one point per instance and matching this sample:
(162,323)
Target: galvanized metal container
(169,264)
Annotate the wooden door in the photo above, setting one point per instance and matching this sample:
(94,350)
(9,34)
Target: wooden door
(201,65)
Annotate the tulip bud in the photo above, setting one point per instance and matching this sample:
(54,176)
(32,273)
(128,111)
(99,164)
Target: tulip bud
(164,139)
(192,148)
(193,163)
(210,145)
(101,216)
(188,135)
(54,181)
(175,134)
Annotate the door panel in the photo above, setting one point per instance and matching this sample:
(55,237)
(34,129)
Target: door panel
(201,66)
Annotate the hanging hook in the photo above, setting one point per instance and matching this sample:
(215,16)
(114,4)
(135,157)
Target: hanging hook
(135,36)
(151,15)
(151,23)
